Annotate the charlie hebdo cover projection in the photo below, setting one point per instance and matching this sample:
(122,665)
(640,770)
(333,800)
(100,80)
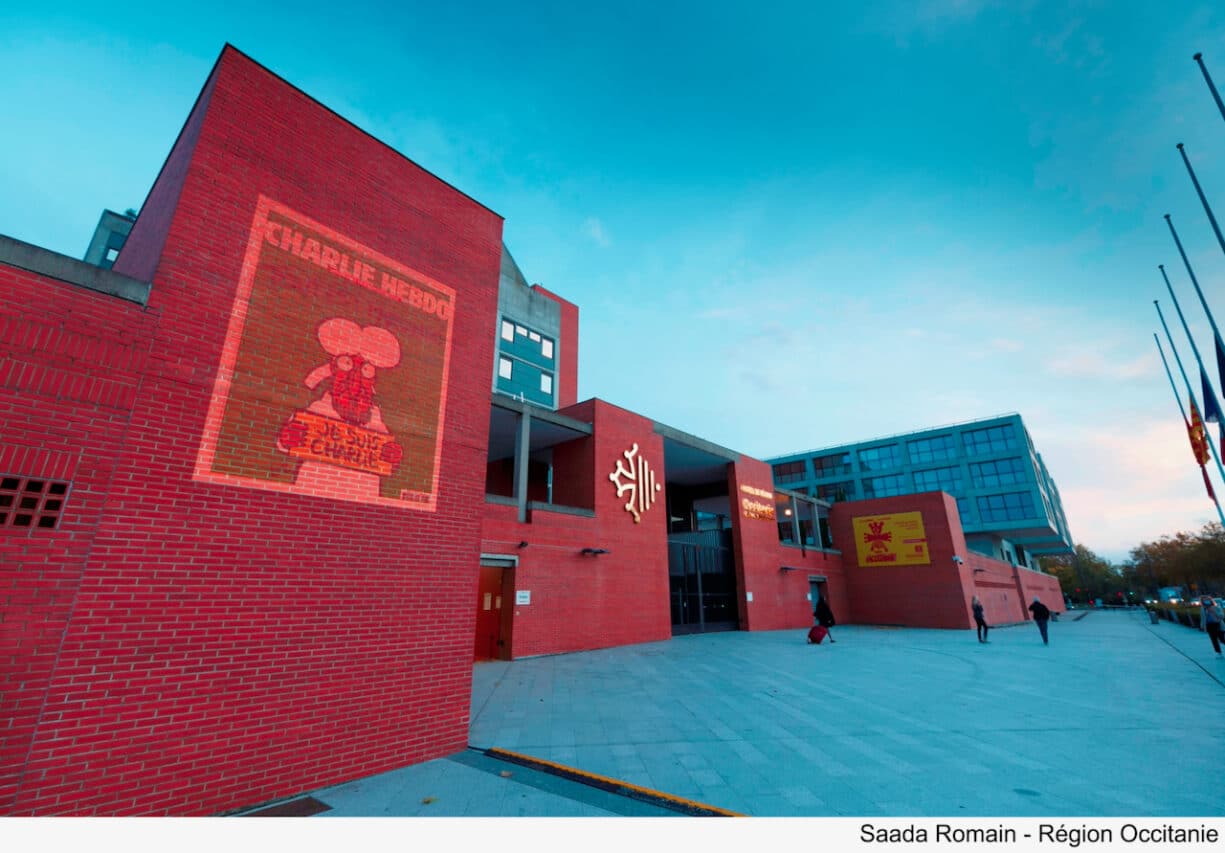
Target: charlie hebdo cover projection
(333,377)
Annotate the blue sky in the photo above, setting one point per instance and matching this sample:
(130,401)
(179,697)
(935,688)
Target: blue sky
(787,225)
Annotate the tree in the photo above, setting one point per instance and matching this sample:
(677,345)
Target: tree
(1194,561)
(1085,576)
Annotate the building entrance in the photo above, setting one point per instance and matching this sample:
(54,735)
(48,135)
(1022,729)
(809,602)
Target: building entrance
(818,589)
(702,582)
(494,609)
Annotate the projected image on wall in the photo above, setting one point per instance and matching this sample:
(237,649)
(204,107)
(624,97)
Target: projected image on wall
(333,376)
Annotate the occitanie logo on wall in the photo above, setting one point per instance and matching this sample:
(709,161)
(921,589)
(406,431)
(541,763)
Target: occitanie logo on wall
(638,480)
(893,540)
(333,375)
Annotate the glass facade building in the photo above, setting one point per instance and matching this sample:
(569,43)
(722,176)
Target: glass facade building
(1009,505)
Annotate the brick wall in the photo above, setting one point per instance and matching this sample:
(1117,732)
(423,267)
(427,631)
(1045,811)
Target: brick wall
(68,377)
(927,596)
(230,644)
(777,575)
(936,595)
(581,601)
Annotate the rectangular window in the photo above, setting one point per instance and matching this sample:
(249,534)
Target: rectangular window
(27,502)
(938,480)
(1013,506)
(504,367)
(546,348)
(508,331)
(935,449)
(963,510)
(843,491)
(832,465)
(789,472)
(784,515)
(999,472)
(546,383)
(883,487)
(990,440)
(879,458)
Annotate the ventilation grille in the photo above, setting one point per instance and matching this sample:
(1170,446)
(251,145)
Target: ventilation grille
(27,502)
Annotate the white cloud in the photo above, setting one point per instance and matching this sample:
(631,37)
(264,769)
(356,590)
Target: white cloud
(595,229)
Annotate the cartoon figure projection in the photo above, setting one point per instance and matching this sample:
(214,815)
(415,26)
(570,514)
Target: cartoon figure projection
(340,438)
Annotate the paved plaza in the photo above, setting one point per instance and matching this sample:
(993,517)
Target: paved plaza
(1117,717)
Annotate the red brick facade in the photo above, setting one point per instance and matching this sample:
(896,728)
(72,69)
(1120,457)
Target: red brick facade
(935,595)
(224,645)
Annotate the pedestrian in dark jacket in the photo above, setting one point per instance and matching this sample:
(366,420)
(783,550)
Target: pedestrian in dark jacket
(824,616)
(980,622)
(1214,620)
(1041,615)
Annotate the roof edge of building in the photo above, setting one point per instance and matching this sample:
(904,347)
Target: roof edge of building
(44,262)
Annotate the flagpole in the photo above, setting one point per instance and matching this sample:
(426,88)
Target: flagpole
(1199,57)
(1178,359)
(1191,394)
(1216,335)
(1177,397)
(1216,229)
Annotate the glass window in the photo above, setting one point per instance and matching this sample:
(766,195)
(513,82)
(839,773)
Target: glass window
(504,367)
(879,458)
(938,480)
(784,515)
(546,348)
(832,465)
(1013,506)
(990,440)
(843,491)
(883,487)
(963,509)
(789,472)
(508,331)
(935,449)
(546,383)
(998,472)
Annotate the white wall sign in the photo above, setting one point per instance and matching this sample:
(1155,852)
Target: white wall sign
(748,596)
(523,596)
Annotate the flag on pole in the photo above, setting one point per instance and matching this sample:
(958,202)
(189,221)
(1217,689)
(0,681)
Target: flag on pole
(1199,445)
(1212,409)
(1220,372)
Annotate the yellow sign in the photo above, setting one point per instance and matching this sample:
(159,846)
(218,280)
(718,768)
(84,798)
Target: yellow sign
(891,540)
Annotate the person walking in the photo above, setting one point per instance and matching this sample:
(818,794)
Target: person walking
(1213,618)
(1042,615)
(979,622)
(825,617)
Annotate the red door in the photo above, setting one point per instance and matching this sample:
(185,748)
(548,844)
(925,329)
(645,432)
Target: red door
(489,614)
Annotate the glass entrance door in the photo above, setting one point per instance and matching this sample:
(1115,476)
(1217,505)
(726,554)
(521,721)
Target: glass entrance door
(702,582)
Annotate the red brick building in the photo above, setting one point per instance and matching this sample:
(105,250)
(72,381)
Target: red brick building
(260,502)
